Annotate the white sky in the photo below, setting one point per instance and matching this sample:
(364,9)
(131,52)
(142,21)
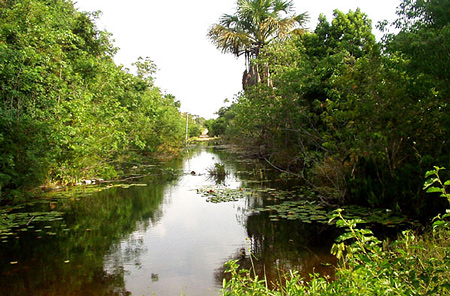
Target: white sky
(172,33)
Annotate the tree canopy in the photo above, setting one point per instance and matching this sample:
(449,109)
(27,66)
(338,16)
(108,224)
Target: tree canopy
(360,121)
(255,24)
(67,111)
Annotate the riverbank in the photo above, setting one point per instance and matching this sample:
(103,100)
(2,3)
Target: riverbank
(126,170)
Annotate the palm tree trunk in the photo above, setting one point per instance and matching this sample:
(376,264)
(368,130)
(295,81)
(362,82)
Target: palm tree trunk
(251,77)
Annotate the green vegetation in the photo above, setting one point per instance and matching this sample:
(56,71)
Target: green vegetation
(360,121)
(67,111)
(311,212)
(215,194)
(16,219)
(410,265)
(218,170)
(195,125)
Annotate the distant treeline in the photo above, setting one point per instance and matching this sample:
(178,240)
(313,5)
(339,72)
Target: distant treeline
(67,111)
(361,121)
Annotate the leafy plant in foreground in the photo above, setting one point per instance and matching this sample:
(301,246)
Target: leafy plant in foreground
(435,179)
(363,240)
(434,184)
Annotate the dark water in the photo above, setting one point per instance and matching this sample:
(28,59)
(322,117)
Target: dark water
(160,239)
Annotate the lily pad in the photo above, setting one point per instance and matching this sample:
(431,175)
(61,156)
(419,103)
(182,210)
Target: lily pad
(302,207)
(217,194)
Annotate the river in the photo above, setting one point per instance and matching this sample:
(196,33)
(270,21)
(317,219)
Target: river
(158,236)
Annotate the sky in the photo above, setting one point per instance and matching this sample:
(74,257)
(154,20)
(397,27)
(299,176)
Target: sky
(172,33)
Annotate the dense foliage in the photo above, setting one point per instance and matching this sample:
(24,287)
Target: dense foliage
(360,121)
(67,111)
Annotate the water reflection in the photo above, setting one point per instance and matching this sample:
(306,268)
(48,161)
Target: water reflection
(180,253)
(161,239)
(67,257)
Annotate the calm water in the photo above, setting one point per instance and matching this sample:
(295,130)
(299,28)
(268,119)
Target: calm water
(159,239)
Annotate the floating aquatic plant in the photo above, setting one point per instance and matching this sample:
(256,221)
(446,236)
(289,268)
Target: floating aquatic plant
(308,211)
(12,223)
(299,205)
(302,210)
(87,190)
(216,194)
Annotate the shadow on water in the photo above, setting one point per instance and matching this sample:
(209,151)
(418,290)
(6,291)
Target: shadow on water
(156,236)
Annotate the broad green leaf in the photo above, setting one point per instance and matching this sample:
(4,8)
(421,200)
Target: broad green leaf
(434,189)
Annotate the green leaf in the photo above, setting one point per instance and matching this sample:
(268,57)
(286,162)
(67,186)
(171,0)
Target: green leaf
(429,173)
(434,189)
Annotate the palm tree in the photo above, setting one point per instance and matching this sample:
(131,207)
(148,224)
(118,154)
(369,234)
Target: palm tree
(255,24)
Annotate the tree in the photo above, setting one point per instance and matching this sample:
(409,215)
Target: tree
(67,111)
(255,24)
(416,14)
(424,39)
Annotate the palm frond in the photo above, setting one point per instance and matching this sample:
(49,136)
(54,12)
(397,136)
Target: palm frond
(302,18)
(228,20)
(282,5)
(255,24)
(229,40)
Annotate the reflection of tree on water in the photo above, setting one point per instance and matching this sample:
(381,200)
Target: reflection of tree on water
(81,260)
(128,251)
(274,248)
(291,245)
(277,247)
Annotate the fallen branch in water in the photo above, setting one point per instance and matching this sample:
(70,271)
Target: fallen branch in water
(29,221)
(280,169)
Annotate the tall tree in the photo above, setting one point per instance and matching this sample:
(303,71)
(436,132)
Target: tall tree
(256,23)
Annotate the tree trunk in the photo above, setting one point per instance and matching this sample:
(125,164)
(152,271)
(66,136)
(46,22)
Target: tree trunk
(251,77)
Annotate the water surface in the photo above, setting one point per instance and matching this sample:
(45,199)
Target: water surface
(159,238)
(191,240)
